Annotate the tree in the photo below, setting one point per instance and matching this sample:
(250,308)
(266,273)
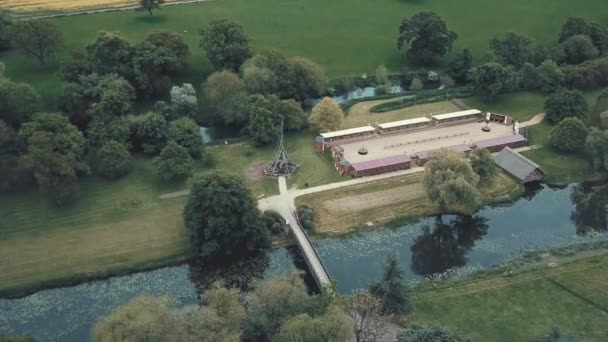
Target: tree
(566,103)
(391,289)
(365,311)
(569,135)
(492,78)
(150,132)
(222,217)
(103,97)
(578,49)
(5,32)
(113,160)
(274,73)
(273,302)
(100,131)
(555,334)
(529,77)
(185,132)
(173,162)
(54,154)
(421,333)
(142,319)
(332,326)
(596,147)
(427,35)
(416,84)
(309,79)
(459,67)
(265,119)
(150,5)
(600,108)
(183,101)
(18,101)
(111,54)
(225,93)
(38,38)
(11,173)
(599,35)
(156,59)
(572,27)
(550,76)
(450,182)
(326,116)
(513,49)
(226,44)
(293,115)
(483,165)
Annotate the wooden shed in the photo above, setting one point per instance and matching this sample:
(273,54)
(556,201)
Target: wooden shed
(519,166)
(497,144)
(374,167)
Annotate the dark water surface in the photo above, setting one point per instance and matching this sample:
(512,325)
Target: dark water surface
(544,218)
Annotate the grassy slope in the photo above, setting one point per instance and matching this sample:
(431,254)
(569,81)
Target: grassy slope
(345,36)
(493,307)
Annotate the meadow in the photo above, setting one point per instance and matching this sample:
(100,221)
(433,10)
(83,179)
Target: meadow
(346,37)
(497,307)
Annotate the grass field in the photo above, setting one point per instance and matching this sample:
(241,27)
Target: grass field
(410,202)
(29,6)
(344,36)
(507,308)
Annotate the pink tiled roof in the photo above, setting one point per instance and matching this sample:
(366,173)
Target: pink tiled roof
(462,148)
(378,163)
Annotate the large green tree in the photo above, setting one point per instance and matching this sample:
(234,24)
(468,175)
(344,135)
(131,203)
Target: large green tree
(326,116)
(309,79)
(271,72)
(513,49)
(423,333)
(225,94)
(483,165)
(173,162)
(54,151)
(569,135)
(332,326)
(226,44)
(265,118)
(113,160)
(111,53)
(150,5)
(596,147)
(18,101)
(295,118)
(186,133)
(573,26)
(39,38)
(550,76)
(529,77)
(156,60)
(566,103)
(459,67)
(150,132)
(450,182)
(222,217)
(491,79)
(578,49)
(392,289)
(427,35)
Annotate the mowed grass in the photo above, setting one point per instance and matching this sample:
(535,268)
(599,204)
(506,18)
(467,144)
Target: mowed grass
(507,308)
(521,105)
(344,36)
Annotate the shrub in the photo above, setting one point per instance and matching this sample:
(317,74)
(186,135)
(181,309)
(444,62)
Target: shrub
(174,162)
(274,222)
(569,135)
(307,217)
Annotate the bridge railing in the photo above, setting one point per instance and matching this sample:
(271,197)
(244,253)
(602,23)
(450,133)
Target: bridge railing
(301,226)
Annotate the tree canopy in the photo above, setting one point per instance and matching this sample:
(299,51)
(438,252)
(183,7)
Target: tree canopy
(550,76)
(326,116)
(569,135)
(450,181)
(566,103)
(422,333)
(459,67)
(173,162)
(38,38)
(185,132)
(578,49)
(427,35)
(54,154)
(113,160)
(332,326)
(392,289)
(225,94)
(483,165)
(596,147)
(226,44)
(265,118)
(491,79)
(150,5)
(513,49)
(150,132)
(222,217)
(18,101)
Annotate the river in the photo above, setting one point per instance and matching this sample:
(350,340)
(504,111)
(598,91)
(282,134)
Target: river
(457,244)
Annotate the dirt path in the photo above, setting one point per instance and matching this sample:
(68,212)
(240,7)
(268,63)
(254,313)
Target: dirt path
(375,199)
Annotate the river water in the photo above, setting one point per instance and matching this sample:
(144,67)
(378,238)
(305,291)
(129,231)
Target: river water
(542,219)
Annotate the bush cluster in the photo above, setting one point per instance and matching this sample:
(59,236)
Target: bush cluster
(307,217)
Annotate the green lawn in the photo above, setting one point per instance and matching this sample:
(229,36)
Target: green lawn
(344,36)
(521,105)
(506,308)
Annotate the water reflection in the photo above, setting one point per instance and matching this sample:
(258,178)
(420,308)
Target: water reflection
(447,244)
(531,190)
(590,203)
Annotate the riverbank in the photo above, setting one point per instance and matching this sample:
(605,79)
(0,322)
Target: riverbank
(391,201)
(563,288)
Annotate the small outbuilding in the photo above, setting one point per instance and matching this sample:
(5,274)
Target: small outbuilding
(374,167)
(519,166)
